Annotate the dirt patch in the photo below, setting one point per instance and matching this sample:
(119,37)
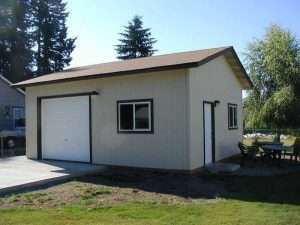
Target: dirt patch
(83,193)
(114,187)
(117,186)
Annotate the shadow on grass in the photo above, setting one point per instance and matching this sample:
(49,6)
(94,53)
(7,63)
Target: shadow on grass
(271,189)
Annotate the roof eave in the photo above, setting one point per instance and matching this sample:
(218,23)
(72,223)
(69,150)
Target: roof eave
(242,68)
(231,50)
(228,50)
(119,73)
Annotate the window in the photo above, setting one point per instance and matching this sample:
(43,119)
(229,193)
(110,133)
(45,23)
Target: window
(18,117)
(135,116)
(232,116)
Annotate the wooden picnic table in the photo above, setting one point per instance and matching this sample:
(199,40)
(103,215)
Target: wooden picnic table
(275,150)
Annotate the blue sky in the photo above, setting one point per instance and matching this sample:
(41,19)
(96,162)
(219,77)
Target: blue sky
(178,25)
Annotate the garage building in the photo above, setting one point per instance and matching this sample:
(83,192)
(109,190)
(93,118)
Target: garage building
(178,111)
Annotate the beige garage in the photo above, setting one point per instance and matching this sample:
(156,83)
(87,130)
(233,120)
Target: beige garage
(179,111)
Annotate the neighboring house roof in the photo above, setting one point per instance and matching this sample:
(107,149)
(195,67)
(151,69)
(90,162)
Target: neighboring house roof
(10,84)
(146,64)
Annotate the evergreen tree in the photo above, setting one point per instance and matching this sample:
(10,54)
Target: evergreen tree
(21,42)
(15,40)
(53,46)
(5,24)
(33,38)
(136,41)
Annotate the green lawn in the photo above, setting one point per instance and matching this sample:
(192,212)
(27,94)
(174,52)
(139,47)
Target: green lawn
(160,199)
(223,212)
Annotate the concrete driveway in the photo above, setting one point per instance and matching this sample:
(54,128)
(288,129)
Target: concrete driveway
(17,173)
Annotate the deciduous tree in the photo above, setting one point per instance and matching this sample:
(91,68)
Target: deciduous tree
(274,67)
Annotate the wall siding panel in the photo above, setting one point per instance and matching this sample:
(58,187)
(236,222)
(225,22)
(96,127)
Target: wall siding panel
(166,148)
(213,81)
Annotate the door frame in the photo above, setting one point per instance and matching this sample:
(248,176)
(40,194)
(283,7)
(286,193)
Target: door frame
(39,121)
(212,130)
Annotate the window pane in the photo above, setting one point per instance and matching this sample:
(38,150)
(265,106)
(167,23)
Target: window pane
(19,117)
(235,117)
(142,116)
(126,117)
(231,115)
(20,122)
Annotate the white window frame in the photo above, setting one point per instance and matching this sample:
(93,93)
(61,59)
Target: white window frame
(134,103)
(233,125)
(14,109)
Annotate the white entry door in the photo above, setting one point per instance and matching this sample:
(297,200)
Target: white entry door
(208,133)
(65,128)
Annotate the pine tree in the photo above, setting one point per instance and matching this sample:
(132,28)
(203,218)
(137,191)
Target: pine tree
(21,42)
(136,42)
(33,37)
(54,48)
(15,40)
(5,24)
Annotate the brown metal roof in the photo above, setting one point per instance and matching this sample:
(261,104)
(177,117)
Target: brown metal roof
(146,64)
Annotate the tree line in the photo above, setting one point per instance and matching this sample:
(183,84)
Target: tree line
(33,38)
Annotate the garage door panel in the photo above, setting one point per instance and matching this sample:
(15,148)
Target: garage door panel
(65,128)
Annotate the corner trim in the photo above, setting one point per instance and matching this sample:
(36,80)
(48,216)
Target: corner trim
(90,129)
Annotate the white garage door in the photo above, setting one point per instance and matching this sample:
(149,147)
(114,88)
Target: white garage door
(65,128)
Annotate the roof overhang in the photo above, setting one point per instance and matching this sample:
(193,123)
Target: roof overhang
(105,75)
(235,64)
(238,69)
(92,72)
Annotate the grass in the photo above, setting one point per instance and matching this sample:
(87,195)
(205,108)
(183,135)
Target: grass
(131,199)
(224,212)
